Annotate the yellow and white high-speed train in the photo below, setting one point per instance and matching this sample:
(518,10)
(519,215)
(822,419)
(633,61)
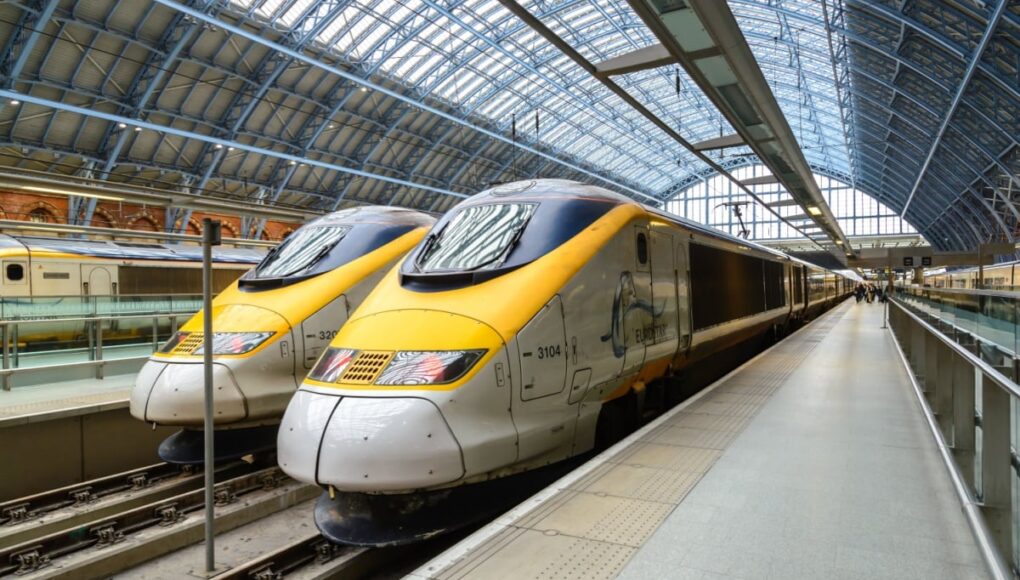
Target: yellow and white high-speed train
(536,322)
(64,278)
(269,328)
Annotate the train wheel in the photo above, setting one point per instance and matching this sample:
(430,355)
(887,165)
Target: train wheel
(617,418)
(676,390)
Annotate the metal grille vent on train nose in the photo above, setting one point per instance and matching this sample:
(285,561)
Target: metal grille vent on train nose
(188,345)
(366,367)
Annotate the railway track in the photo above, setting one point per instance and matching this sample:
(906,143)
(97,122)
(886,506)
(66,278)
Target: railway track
(312,556)
(107,544)
(41,514)
(316,558)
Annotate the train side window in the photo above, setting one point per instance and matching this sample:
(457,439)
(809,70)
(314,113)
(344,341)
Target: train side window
(642,248)
(15,272)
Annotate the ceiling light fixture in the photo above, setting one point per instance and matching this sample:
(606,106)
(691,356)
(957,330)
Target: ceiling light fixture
(813,210)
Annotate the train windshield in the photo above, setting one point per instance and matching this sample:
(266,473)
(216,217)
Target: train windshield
(300,251)
(477,238)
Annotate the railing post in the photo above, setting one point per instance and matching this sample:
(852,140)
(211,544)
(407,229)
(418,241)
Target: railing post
(931,362)
(90,331)
(14,346)
(943,406)
(963,435)
(99,349)
(996,464)
(155,333)
(4,331)
(917,348)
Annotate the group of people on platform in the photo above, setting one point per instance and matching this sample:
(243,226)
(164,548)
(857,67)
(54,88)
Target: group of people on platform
(869,292)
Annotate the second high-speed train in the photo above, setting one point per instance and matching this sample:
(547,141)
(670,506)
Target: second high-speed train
(537,321)
(269,328)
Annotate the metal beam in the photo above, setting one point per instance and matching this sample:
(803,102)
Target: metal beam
(588,67)
(301,57)
(34,29)
(734,140)
(704,37)
(212,140)
(652,56)
(972,67)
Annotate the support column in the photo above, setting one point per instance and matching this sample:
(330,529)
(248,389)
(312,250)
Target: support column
(996,464)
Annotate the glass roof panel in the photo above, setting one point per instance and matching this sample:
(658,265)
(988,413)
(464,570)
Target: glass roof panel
(477,57)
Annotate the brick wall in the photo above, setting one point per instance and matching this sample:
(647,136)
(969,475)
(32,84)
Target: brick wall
(20,206)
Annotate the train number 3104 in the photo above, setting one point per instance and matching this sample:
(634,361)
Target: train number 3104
(550,351)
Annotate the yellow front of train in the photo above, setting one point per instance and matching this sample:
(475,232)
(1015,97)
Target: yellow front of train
(270,326)
(413,399)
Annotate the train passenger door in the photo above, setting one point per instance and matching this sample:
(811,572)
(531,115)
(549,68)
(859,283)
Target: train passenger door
(544,417)
(635,302)
(661,339)
(97,281)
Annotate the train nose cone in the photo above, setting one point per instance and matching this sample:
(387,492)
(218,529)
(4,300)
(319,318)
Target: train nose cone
(143,387)
(176,391)
(367,444)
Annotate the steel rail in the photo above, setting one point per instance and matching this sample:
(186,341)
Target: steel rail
(76,505)
(40,553)
(312,549)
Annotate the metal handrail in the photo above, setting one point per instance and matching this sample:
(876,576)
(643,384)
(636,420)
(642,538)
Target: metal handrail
(24,321)
(961,291)
(971,507)
(93,329)
(90,303)
(1005,383)
(950,412)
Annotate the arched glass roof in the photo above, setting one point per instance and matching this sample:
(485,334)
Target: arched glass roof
(715,201)
(418,103)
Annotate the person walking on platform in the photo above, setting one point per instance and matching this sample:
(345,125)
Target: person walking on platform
(859,292)
(871,293)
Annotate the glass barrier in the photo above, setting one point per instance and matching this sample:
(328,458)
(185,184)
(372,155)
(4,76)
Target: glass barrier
(988,315)
(31,308)
(46,331)
(968,388)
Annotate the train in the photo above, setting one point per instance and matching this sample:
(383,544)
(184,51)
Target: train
(537,322)
(1002,276)
(43,278)
(269,328)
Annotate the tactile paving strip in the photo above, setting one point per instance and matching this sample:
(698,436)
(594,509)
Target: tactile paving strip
(592,526)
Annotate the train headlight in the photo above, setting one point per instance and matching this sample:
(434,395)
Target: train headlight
(332,364)
(428,367)
(234,342)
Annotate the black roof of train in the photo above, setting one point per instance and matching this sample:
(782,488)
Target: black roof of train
(129,250)
(537,189)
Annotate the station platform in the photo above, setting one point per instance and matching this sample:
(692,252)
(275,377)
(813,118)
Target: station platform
(64,398)
(812,460)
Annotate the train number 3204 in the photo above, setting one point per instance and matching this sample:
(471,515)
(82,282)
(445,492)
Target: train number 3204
(550,351)
(327,334)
